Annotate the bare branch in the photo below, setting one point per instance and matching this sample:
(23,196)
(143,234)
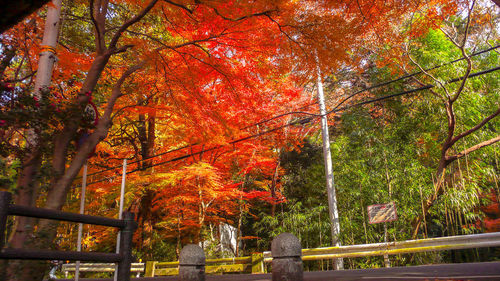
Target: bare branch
(464,54)
(130,22)
(264,13)
(122,49)
(441,84)
(116,92)
(475,128)
(467,26)
(172,47)
(450,37)
(22,78)
(472,149)
(180,6)
(280,27)
(422,84)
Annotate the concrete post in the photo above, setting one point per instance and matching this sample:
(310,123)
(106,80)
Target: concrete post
(287,258)
(192,263)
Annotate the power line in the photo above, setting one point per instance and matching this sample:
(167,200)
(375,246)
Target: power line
(210,149)
(378,86)
(425,87)
(308,119)
(313,114)
(191,145)
(142,160)
(308,113)
(411,75)
(283,114)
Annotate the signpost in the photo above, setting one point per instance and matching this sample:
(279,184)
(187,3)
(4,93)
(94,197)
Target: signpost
(382,213)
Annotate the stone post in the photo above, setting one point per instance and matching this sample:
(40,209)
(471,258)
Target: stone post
(192,263)
(287,258)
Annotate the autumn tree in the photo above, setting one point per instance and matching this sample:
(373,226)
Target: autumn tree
(458,33)
(203,65)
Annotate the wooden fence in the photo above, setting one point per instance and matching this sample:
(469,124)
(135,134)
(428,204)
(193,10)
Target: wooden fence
(136,268)
(123,258)
(256,262)
(403,247)
(250,264)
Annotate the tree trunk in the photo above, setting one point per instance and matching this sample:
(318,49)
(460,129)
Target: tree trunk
(47,229)
(27,181)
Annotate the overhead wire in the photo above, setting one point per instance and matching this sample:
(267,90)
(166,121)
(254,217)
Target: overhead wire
(308,113)
(303,121)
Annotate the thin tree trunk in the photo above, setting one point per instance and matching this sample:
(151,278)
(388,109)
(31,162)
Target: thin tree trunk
(387,261)
(273,188)
(363,212)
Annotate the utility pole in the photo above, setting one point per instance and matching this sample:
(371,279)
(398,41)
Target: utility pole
(330,187)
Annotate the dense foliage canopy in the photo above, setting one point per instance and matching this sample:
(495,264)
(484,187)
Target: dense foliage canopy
(212,104)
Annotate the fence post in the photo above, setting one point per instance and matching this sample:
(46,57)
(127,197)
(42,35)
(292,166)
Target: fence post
(5,198)
(192,263)
(257,263)
(150,269)
(126,235)
(287,261)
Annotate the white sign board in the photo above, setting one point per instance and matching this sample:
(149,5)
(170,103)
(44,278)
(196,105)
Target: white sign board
(382,213)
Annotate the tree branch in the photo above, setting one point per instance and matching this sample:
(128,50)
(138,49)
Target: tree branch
(180,6)
(452,158)
(130,22)
(100,43)
(116,92)
(475,128)
(264,13)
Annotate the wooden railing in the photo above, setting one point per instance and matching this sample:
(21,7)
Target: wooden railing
(250,264)
(123,258)
(136,268)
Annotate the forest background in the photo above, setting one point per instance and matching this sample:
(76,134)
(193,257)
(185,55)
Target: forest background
(213,104)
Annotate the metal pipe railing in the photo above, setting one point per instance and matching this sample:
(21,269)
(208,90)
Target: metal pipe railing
(16,210)
(401,247)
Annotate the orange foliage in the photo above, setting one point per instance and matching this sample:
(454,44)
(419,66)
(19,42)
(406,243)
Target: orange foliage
(491,220)
(212,70)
